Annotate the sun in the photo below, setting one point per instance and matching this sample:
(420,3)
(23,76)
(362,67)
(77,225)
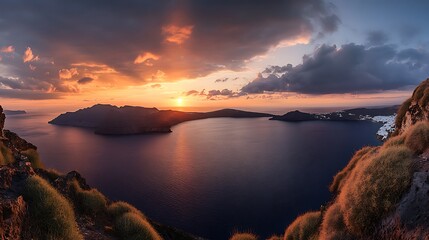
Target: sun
(179,101)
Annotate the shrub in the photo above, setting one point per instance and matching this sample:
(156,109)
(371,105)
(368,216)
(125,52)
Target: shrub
(394,141)
(51,214)
(401,113)
(374,188)
(417,137)
(33,158)
(243,236)
(419,92)
(275,237)
(52,174)
(305,227)
(6,155)
(118,208)
(424,100)
(91,202)
(132,226)
(333,226)
(342,176)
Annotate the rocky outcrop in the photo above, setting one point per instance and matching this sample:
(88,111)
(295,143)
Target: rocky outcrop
(2,119)
(414,109)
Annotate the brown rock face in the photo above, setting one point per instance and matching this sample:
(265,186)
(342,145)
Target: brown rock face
(12,212)
(414,109)
(2,119)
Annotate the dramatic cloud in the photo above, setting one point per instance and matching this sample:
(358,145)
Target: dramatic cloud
(112,40)
(215,94)
(28,56)
(85,80)
(377,38)
(7,49)
(348,69)
(68,73)
(146,58)
(176,34)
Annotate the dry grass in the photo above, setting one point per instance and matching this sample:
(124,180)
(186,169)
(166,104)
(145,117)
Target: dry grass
(51,214)
(275,237)
(117,209)
(52,174)
(91,202)
(243,236)
(417,137)
(401,112)
(342,176)
(374,188)
(6,155)
(333,226)
(305,227)
(33,158)
(394,141)
(132,226)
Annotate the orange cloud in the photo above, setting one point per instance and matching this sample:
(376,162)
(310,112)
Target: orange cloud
(146,58)
(28,56)
(176,34)
(67,73)
(7,49)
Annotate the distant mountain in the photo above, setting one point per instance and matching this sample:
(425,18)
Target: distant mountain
(345,115)
(109,119)
(14,112)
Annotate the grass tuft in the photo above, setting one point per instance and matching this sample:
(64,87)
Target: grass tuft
(132,226)
(243,236)
(117,209)
(333,226)
(50,213)
(394,141)
(342,176)
(6,155)
(374,188)
(305,227)
(417,137)
(33,158)
(91,202)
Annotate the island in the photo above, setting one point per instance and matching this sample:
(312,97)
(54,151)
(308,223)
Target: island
(112,120)
(384,115)
(14,112)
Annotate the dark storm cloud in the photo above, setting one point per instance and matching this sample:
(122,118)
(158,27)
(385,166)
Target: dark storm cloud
(375,38)
(349,69)
(85,80)
(136,39)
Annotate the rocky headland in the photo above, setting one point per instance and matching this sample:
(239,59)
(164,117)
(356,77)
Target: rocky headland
(112,120)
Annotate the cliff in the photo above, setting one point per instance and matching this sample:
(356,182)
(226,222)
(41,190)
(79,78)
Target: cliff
(383,192)
(38,203)
(108,119)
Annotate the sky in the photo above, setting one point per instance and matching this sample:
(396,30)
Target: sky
(212,54)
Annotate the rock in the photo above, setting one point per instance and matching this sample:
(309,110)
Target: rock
(2,120)
(414,109)
(12,215)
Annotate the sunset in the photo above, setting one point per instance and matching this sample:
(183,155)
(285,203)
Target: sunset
(201,120)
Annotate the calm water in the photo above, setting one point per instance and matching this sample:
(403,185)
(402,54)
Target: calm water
(208,177)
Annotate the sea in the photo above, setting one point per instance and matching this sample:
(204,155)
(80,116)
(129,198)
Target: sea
(210,177)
